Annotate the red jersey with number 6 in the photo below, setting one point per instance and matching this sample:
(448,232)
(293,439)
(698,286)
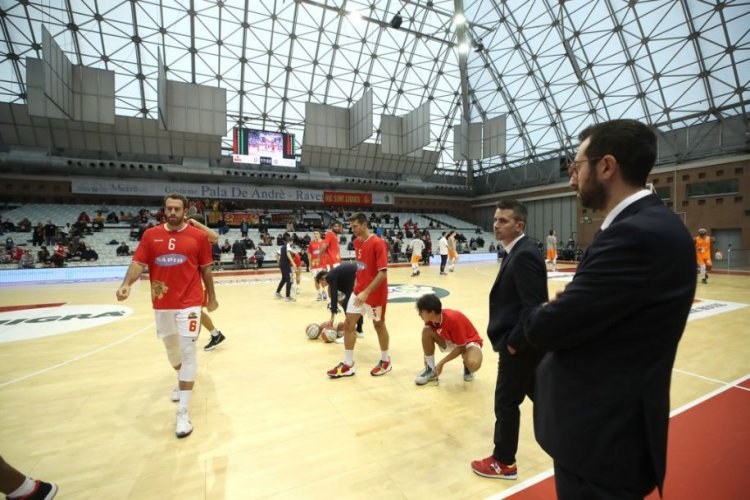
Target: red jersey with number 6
(174,259)
(372,256)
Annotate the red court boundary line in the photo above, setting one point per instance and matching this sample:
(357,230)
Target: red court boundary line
(546,491)
(29,306)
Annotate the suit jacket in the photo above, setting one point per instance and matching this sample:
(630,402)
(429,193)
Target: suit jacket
(602,395)
(520,285)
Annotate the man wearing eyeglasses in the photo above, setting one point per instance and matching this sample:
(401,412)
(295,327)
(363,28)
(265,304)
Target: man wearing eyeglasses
(602,391)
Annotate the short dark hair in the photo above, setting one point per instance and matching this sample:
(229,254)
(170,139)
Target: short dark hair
(631,142)
(322,274)
(360,218)
(520,213)
(430,303)
(198,217)
(176,196)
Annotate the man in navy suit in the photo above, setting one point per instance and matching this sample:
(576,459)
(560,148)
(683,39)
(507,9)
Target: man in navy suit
(521,285)
(601,406)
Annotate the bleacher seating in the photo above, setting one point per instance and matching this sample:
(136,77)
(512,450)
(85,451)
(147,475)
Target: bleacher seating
(61,215)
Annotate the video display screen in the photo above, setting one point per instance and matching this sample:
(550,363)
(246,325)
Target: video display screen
(260,147)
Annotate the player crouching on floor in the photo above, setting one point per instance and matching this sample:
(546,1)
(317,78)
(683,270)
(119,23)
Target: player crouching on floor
(451,331)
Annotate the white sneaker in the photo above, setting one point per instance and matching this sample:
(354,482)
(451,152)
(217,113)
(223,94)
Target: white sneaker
(340,340)
(175,395)
(320,297)
(184,427)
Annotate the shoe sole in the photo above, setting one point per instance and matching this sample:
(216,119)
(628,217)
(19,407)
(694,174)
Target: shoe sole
(180,436)
(494,476)
(432,381)
(341,375)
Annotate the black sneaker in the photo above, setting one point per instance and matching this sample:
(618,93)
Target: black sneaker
(42,491)
(214,342)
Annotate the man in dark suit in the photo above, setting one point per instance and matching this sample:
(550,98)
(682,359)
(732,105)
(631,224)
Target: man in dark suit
(521,285)
(601,406)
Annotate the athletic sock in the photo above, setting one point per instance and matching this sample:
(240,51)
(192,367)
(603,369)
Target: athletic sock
(185,397)
(384,356)
(214,332)
(26,488)
(430,360)
(349,357)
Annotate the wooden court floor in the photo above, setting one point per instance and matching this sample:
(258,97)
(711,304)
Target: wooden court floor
(90,409)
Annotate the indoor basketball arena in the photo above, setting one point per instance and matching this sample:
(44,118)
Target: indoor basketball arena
(540,211)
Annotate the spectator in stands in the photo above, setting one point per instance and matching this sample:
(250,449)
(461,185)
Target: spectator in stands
(267,240)
(260,256)
(58,254)
(112,218)
(16,254)
(122,250)
(89,254)
(37,235)
(83,217)
(43,256)
(221,226)
(492,247)
(144,215)
(249,244)
(244,228)
(240,254)
(2,228)
(24,226)
(50,231)
(98,223)
(5,256)
(216,252)
(26,261)
(9,244)
(226,247)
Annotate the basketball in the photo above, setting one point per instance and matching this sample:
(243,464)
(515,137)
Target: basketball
(312,331)
(340,296)
(328,335)
(718,256)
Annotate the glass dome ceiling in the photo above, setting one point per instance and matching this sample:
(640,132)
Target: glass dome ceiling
(552,66)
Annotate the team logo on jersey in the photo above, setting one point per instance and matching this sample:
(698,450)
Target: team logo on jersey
(170,259)
(410,293)
(24,324)
(158,289)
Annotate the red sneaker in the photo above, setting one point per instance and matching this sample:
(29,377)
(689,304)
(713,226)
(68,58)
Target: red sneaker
(490,467)
(381,368)
(341,370)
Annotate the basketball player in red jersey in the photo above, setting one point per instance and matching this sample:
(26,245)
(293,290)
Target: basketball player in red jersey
(330,253)
(369,297)
(178,256)
(315,263)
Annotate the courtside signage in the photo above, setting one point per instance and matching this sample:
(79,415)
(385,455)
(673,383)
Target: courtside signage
(410,293)
(28,324)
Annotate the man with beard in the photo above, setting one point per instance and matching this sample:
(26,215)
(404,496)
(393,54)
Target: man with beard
(178,256)
(330,253)
(601,406)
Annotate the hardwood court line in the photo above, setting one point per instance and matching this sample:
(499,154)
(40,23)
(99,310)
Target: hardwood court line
(77,358)
(709,379)
(549,473)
